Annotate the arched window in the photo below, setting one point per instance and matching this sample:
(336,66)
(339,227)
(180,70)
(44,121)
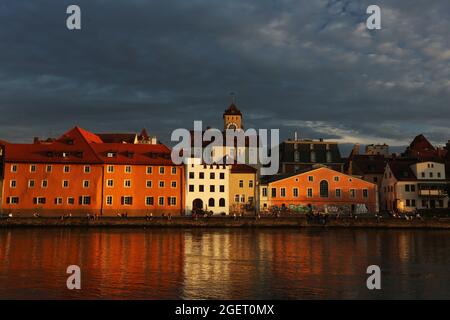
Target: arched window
(323,189)
(211,202)
(221,202)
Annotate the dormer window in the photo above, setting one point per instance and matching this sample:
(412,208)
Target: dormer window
(130,154)
(65,154)
(70,141)
(111,154)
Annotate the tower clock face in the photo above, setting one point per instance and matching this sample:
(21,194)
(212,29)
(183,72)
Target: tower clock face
(232,126)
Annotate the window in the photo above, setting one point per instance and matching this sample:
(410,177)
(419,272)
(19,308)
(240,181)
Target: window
(242,198)
(283,192)
(173,184)
(127,169)
(48,168)
(365,193)
(295,192)
(85,183)
(408,203)
(161,171)
(222,188)
(31,184)
(148,183)
(86,200)
(309,193)
(161,201)
(264,192)
(324,189)
(201,188)
(161,184)
(149,201)
(174,170)
(336,179)
(222,176)
(250,183)
(13,183)
(109,200)
(70,200)
(172,201)
(44,184)
(127,183)
(33,168)
(87,169)
(211,202)
(236,198)
(241,183)
(110,183)
(310,178)
(439,174)
(202,175)
(407,187)
(431,174)
(212,189)
(423,174)
(110,169)
(191,188)
(12,200)
(352,193)
(149,170)
(212,175)
(274,192)
(191,175)
(39,200)
(58,201)
(127,200)
(66,169)
(413,202)
(221,202)
(338,193)
(65,183)
(14,168)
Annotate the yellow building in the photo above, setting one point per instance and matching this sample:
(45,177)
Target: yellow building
(242,189)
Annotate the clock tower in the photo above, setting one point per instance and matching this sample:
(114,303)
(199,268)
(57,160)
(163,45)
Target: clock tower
(232,117)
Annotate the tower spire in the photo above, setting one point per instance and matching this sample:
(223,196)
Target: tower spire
(233,97)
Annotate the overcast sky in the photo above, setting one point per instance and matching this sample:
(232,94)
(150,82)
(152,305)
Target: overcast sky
(310,66)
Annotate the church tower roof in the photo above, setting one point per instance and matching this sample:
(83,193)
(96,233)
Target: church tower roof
(232,110)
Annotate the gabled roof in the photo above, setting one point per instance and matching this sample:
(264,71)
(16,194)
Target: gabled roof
(117,137)
(367,164)
(232,110)
(401,169)
(242,168)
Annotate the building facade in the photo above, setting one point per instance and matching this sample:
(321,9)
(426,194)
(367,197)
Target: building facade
(323,190)
(243,195)
(301,154)
(207,187)
(79,174)
(409,185)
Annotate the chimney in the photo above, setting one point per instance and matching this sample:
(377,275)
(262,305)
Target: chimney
(36,140)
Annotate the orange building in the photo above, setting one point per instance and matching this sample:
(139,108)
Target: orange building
(323,190)
(79,174)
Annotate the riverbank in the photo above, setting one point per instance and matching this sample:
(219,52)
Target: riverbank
(228,222)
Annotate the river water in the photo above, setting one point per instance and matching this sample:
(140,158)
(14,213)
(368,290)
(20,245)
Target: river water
(224,263)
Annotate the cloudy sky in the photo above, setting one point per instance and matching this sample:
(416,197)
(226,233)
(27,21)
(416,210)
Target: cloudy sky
(303,65)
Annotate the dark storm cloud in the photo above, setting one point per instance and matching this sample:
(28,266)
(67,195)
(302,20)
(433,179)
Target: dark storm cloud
(310,66)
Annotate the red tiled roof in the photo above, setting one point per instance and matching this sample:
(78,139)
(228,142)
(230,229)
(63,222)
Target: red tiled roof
(242,168)
(117,137)
(401,169)
(81,146)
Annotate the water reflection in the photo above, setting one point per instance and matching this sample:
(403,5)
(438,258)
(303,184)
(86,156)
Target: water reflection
(223,264)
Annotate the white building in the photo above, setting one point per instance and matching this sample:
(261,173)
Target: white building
(207,186)
(409,185)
